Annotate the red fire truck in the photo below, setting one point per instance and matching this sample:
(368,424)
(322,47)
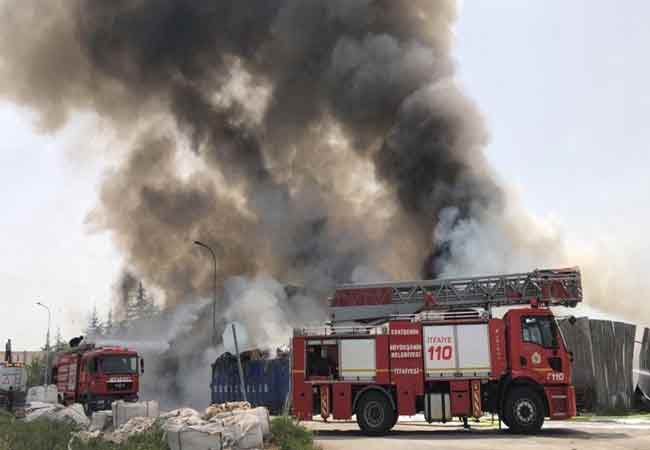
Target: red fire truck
(450,356)
(97,376)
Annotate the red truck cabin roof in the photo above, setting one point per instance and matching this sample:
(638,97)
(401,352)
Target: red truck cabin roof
(112,351)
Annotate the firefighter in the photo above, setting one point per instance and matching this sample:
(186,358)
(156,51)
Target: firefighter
(8,352)
(74,342)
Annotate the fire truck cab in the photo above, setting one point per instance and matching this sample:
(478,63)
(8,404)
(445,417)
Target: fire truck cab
(97,376)
(444,361)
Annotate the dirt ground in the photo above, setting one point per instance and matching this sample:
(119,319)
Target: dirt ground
(554,436)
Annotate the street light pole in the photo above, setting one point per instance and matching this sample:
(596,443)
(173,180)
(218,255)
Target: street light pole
(242,384)
(214,290)
(47,344)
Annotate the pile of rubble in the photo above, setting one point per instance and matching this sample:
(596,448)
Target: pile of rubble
(229,425)
(135,425)
(225,426)
(74,415)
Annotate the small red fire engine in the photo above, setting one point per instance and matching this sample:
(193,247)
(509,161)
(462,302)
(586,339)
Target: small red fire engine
(97,376)
(451,358)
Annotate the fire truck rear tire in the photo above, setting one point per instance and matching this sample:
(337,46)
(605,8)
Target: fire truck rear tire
(375,414)
(524,411)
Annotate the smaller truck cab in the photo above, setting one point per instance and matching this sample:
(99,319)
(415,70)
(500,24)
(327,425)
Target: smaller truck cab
(96,377)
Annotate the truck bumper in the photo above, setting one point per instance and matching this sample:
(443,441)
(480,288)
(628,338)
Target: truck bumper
(561,402)
(102,402)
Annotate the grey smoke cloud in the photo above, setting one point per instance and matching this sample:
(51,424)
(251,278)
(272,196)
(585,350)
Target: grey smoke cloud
(293,108)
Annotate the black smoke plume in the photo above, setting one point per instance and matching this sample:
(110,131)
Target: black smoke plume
(330,134)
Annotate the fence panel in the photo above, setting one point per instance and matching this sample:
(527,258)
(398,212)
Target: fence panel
(578,340)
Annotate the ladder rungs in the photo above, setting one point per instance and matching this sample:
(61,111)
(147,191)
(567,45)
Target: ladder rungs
(553,287)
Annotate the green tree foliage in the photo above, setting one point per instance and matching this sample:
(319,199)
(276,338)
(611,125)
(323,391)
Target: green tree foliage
(136,304)
(60,345)
(109,326)
(94,327)
(140,304)
(35,372)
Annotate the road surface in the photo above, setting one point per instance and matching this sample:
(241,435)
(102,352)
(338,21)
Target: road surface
(420,436)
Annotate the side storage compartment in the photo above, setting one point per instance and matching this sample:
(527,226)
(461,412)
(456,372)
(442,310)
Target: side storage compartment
(460,399)
(342,393)
(437,407)
(302,393)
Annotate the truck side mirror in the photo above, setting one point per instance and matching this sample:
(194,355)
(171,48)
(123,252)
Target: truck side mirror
(142,366)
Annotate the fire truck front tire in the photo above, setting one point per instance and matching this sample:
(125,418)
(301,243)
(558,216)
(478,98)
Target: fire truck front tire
(375,414)
(524,411)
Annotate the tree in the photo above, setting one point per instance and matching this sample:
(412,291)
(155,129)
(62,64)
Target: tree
(108,325)
(140,305)
(59,344)
(35,371)
(94,327)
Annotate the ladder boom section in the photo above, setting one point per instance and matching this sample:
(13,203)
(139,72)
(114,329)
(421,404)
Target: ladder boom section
(552,287)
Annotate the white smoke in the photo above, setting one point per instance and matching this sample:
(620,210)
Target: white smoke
(614,270)
(257,304)
(177,344)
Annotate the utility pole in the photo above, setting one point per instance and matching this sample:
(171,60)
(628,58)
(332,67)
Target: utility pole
(214,290)
(242,385)
(47,345)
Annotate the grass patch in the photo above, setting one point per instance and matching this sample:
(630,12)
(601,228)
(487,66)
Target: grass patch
(289,435)
(46,435)
(151,440)
(37,435)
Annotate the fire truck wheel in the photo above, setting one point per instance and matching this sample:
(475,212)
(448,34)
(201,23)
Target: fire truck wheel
(504,419)
(394,420)
(375,414)
(524,411)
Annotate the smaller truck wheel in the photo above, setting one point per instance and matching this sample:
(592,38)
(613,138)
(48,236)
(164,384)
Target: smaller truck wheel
(524,411)
(89,406)
(375,414)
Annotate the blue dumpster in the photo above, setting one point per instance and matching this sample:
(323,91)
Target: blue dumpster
(267,381)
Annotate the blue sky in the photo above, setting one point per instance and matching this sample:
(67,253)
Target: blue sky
(564,90)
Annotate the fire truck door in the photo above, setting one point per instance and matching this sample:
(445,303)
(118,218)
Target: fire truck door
(540,350)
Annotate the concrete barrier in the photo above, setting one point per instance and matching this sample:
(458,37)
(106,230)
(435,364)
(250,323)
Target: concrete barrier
(195,437)
(123,411)
(43,394)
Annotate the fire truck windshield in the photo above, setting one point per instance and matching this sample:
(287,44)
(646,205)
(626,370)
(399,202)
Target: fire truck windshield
(118,364)
(539,330)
